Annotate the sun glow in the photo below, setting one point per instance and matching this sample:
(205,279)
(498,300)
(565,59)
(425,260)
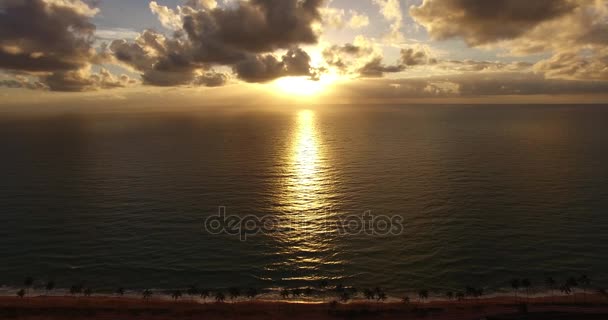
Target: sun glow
(304,86)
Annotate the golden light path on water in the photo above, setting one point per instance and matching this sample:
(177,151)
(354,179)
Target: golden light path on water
(306,202)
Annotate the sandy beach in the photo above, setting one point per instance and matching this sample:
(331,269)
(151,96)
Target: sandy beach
(110,308)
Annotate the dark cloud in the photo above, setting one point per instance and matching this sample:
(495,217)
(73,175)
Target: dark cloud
(376,68)
(572,65)
(482,21)
(295,62)
(256,26)
(211,79)
(36,35)
(411,57)
(52,40)
(241,37)
(369,63)
(83,80)
(468,85)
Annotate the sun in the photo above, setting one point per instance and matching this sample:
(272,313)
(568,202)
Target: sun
(303,86)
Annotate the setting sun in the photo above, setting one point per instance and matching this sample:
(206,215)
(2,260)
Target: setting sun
(304,86)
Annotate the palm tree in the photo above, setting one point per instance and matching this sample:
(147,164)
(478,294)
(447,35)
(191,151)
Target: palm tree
(323,284)
(176,294)
(220,297)
(21,293)
(470,292)
(423,295)
(565,289)
(285,293)
(345,297)
(308,291)
(28,282)
(234,293)
(192,291)
(584,281)
(88,292)
(406,300)
(572,283)
(550,282)
(526,284)
(120,291)
(381,296)
(147,294)
(204,294)
(252,293)
(515,285)
(460,296)
(449,295)
(369,294)
(50,286)
(295,293)
(76,289)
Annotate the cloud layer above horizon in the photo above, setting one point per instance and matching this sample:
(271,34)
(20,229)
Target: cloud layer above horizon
(392,48)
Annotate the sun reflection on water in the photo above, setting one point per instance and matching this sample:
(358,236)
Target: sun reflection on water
(305,197)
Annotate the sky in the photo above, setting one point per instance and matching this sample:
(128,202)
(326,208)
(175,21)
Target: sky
(302,51)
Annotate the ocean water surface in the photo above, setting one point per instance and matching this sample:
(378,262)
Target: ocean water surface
(486,193)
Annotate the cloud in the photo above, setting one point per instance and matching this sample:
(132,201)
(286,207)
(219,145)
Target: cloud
(363,59)
(467,85)
(480,21)
(211,79)
(296,62)
(573,31)
(241,37)
(337,18)
(51,40)
(572,65)
(391,10)
(45,36)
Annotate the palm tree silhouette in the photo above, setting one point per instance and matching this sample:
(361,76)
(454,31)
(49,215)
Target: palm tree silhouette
(88,292)
(76,289)
(526,284)
(220,297)
(423,295)
(369,294)
(449,295)
(572,283)
(381,296)
(406,300)
(176,294)
(120,291)
(460,296)
(147,294)
(285,293)
(345,297)
(192,291)
(323,284)
(550,282)
(470,292)
(234,293)
(50,286)
(28,282)
(308,291)
(21,293)
(565,289)
(204,294)
(252,293)
(515,285)
(584,281)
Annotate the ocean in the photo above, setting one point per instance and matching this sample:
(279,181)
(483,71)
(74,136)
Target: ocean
(481,194)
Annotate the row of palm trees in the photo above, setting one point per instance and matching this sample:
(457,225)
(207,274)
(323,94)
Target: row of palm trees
(341,292)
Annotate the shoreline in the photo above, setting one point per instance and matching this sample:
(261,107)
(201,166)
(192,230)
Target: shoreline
(584,306)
